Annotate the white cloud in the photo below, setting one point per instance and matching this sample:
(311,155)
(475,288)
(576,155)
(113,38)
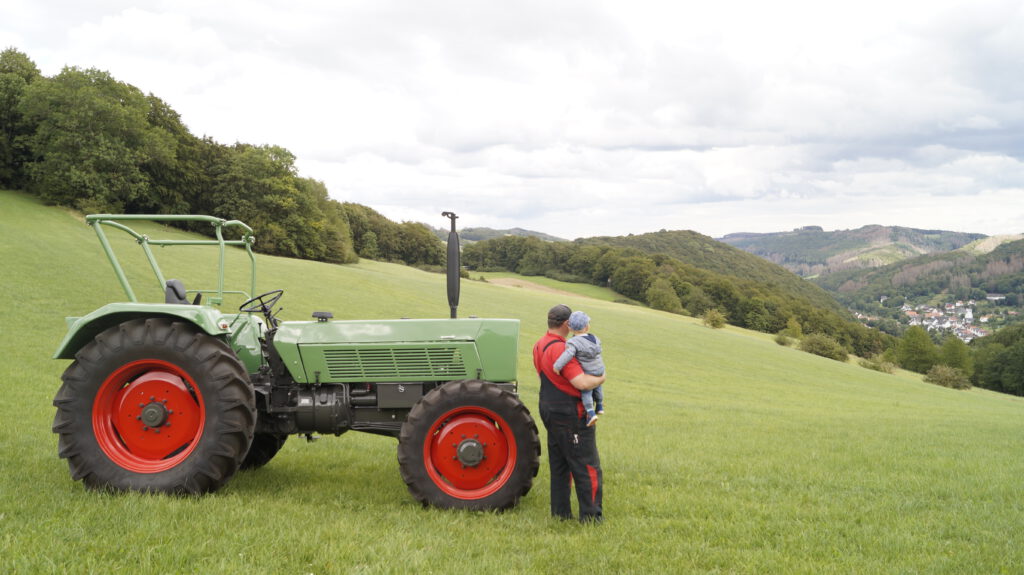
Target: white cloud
(592,118)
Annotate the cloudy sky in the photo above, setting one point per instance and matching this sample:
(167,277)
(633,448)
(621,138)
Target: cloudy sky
(590,117)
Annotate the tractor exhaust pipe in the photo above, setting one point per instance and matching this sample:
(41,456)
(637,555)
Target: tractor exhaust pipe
(454,265)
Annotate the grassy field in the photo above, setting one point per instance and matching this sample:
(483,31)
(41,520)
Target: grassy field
(723,452)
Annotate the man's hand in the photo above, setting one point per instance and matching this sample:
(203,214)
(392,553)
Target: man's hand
(585,381)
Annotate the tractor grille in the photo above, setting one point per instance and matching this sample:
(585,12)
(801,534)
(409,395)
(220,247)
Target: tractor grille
(394,363)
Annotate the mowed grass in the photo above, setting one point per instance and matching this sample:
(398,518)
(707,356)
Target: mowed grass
(545,283)
(723,452)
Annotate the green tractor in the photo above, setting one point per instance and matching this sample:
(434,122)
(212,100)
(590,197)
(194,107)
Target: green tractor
(176,396)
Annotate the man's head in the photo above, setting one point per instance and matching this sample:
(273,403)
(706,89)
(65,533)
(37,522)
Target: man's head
(558,315)
(578,321)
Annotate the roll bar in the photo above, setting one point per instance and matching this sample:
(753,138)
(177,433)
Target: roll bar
(97,221)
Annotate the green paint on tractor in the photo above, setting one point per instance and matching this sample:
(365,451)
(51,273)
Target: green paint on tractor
(177,396)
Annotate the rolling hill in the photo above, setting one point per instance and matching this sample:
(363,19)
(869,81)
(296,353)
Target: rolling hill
(723,452)
(966,273)
(811,251)
(705,253)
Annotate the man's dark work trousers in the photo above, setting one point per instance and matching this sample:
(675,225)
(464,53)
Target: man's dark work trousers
(573,457)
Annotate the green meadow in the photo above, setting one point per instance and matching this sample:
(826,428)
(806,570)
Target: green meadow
(723,452)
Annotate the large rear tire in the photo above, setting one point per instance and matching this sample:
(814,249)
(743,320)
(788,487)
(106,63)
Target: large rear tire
(155,405)
(469,445)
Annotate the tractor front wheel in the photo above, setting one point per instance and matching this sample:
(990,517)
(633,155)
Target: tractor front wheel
(155,405)
(469,445)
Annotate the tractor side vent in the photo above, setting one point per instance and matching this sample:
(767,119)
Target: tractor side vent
(394,363)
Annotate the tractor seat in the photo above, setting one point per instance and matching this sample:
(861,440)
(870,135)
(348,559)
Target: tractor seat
(175,292)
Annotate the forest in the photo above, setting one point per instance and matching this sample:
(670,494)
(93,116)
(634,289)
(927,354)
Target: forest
(84,140)
(747,291)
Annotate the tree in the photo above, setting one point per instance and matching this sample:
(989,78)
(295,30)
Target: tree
(793,328)
(259,185)
(915,350)
(17,71)
(661,296)
(696,301)
(582,260)
(824,346)
(338,233)
(713,318)
(1007,373)
(757,315)
(368,242)
(419,246)
(176,178)
(955,353)
(633,277)
(91,140)
(723,291)
(947,376)
(989,359)
(536,259)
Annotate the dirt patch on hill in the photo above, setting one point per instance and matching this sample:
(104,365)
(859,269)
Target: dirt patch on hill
(988,244)
(518,283)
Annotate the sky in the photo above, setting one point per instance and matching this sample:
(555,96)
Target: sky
(584,118)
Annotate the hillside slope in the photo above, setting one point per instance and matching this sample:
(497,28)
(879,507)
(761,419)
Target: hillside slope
(723,452)
(705,253)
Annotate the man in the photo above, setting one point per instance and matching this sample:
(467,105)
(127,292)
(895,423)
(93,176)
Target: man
(572,446)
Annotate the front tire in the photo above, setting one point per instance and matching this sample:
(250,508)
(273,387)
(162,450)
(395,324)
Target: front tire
(469,445)
(155,405)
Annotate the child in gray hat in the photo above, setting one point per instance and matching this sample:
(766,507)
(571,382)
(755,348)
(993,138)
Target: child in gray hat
(586,348)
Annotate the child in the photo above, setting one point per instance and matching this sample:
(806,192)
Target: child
(586,348)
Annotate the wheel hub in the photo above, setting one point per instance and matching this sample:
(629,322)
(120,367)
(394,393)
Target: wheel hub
(470,452)
(154,415)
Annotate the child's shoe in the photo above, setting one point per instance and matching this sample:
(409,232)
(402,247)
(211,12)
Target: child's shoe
(600,409)
(591,418)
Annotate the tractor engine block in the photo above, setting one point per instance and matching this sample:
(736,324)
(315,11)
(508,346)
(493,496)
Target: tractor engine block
(335,408)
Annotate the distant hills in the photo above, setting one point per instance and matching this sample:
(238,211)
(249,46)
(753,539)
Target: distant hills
(877,269)
(810,251)
(965,273)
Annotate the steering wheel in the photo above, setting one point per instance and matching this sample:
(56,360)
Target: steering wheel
(263,303)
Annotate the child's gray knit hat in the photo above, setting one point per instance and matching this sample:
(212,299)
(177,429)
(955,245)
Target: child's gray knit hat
(578,321)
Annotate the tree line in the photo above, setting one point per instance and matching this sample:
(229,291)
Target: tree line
(669,284)
(84,140)
(994,362)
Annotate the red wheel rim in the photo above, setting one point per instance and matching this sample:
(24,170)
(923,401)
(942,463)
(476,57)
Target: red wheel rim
(148,416)
(470,452)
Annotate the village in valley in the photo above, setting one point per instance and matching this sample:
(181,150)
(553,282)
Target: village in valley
(958,318)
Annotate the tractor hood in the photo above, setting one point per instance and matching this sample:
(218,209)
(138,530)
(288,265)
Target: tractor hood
(405,350)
